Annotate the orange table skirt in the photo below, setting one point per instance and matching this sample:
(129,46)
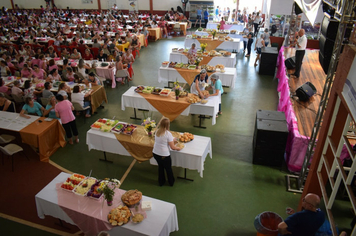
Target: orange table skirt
(47,136)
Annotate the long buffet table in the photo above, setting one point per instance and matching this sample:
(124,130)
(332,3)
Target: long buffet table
(214,25)
(227,78)
(132,99)
(214,44)
(47,136)
(205,33)
(91,215)
(229,61)
(192,156)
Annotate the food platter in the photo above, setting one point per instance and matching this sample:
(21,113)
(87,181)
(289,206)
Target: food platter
(165,92)
(129,129)
(156,91)
(118,128)
(84,186)
(119,215)
(72,182)
(148,90)
(104,124)
(172,64)
(192,67)
(186,137)
(95,191)
(131,197)
(139,89)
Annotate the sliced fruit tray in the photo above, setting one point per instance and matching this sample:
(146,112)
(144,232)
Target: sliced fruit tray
(84,186)
(118,127)
(104,124)
(72,182)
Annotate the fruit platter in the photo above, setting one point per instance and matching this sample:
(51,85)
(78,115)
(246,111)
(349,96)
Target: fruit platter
(185,66)
(156,91)
(192,67)
(84,186)
(119,215)
(148,90)
(194,36)
(186,137)
(189,36)
(186,50)
(165,92)
(181,50)
(139,89)
(118,127)
(165,63)
(104,125)
(128,129)
(72,182)
(172,64)
(179,65)
(208,68)
(174,49)
(95,190)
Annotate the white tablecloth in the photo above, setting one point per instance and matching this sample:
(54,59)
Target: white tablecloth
(226,61)
(160,221)
(227,78)
(226,45)
(214,25)
(235,36)
(132,99)
(192,156)
(14,122)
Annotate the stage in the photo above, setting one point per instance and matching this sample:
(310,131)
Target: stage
(300,115)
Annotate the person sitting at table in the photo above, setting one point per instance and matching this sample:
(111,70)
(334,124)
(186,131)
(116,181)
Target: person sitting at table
(199,83)
(71,34)
(21,63)
(70,74)
(82,67)
(38,73)
(52,65)
(31,107)
(58,41)
(49,110)
(51,53)
(53,76)
(5,70)
(16,90)
(46,93)
(87,55)
(30,91)
(128,38)
(42,62)
(217,88)
(154,24)
(78,97)
(4,88)
(93,79)
(105,48)
(65,41)
(64,110)
(75,54)
(164,141)
(102,56)
(64,90)
(6,104)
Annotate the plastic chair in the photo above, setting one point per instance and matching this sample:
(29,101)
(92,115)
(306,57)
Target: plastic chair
(10,150)
(17,99)
(95,52)
(44,101)
(5,138)
(80,108)
(176,28)
(124,74)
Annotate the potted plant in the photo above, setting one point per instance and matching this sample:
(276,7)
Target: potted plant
(177,89)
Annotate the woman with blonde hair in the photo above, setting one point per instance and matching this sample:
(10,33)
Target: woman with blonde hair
(161,152)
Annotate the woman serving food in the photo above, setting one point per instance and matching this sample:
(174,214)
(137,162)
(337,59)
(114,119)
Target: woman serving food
(198,85)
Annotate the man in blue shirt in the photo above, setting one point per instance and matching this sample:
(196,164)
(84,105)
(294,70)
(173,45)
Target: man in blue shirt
(217,14)
(306,222)
(206,17)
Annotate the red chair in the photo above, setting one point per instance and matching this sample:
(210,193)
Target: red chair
(50,42)
(57,51)
(170,29)
(95,52)
(130,70)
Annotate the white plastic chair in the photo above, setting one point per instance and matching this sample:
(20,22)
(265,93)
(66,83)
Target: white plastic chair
(78,107)
(5,138)
(124,74)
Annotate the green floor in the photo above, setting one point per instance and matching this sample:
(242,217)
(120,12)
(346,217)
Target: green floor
(233,191)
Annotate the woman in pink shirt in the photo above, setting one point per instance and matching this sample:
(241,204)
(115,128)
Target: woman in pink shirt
(4,88)
(38,73)
(52,65)
(26,71)
(64,110)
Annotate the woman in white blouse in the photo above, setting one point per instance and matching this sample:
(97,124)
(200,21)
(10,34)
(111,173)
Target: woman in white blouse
(164,141)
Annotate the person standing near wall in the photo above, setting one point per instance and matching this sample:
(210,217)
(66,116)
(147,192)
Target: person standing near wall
(206,17)
(217,12)
(199,13)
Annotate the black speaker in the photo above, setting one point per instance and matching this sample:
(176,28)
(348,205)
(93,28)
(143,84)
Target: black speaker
(290,63)
(270,138)
(326,46)
(305,91)
(329,28)
(324,62)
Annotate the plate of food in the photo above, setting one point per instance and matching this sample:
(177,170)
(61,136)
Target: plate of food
(139,89)
(118,128)
(156,91)
(192,67)
(189,36)
(181,50)
(179,65)
(165,63)
(165,92)
(148,90)
(95,191)
(186,137)
(193,99)
(119,215)
(128,129)
(172,64)
(174,49)
(72,182)
(131,197)
(84,186)
(137,218)
(108,125)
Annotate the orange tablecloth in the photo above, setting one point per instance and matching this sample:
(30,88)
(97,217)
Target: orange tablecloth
(189,75)
(98,96)
(122,47)
(167,106)
(155,32)
(47,136)
(211,44)
(139,145)
(141,38)
(205,60)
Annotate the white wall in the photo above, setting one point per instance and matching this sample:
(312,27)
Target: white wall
(6,3)
(166,5)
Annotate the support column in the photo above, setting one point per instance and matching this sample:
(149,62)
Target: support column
(12,4)
(99,5)
(151,6)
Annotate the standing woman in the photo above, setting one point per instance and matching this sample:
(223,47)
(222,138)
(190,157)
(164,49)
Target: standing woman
(199,11)
(163,141)
(64,110)
(249,44)
(258,47)
(256,22)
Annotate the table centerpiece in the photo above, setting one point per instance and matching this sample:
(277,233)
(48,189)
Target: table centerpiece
(149,125)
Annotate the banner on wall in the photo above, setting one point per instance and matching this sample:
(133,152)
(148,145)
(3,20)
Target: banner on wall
(349,90)
(133,6)
(87,1)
